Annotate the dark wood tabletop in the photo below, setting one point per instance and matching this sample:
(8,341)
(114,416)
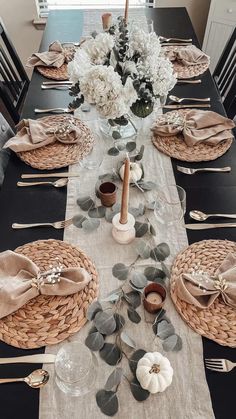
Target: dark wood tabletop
(211,193)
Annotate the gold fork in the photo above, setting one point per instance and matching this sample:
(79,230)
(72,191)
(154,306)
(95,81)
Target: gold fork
(57,224)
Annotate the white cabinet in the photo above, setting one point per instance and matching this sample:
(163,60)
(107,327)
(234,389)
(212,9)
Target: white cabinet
(220,25)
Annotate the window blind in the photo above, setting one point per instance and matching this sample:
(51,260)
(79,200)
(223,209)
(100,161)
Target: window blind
(44,6)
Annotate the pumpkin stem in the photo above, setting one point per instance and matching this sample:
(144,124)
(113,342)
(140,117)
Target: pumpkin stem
(155,368)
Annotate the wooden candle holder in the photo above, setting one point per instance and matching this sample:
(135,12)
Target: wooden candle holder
(154,288)
(123,233)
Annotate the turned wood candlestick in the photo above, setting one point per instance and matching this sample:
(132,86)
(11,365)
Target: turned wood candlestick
(123,233)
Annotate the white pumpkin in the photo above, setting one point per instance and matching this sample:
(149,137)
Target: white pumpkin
(154,372)
(135,172)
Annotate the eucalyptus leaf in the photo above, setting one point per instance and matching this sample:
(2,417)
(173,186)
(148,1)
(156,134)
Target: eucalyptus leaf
(165,269)
(105,322)
(78,220)
(111,298)
(111,122)
(114,379)
(143,249)
(113,151)
(120,321)
(152,230)
(120,271)
(131,146)
(93,309)
(160,252)
(128,340)
(133,298)
(141,209)
(90,225)
(138,392)
(135,357)
(116,135)
(116,207)
(138,279)
(111,353)
(108,402)
(121,146)
(134,211)
(133,315)
(109,214)
(85,203)
(139,156)
(140,229)
(154,274)
(170,343)
(147,185)
(94,341)
(165,329)
(98,212)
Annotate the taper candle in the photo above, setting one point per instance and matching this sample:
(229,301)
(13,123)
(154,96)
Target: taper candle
(126,10)
(125,193)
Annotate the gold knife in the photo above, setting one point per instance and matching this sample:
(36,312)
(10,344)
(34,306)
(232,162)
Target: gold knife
(208,226)
(184,106)
(33,359)
(42,175)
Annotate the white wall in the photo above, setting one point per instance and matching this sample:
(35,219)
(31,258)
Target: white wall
(17,16)
(197,10)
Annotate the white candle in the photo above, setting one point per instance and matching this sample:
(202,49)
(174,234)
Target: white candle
(154,298)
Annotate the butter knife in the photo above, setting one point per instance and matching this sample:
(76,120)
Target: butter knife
(206,226)
(184,106)
(54,110)
(30,359)
(42,175)
(56,87)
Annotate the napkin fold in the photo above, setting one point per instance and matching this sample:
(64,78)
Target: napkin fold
(32,134)
(54,57)
(21,280)
(196,126)
(201,290)
(188,55)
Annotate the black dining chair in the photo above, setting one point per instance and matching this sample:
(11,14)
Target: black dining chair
(225,76)
(14,81)
(5,133)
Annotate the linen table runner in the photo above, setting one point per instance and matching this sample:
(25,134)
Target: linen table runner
(188,396)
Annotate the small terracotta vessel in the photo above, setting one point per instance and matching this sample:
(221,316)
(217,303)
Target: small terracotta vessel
(154,297)
(107,193)
(106,21)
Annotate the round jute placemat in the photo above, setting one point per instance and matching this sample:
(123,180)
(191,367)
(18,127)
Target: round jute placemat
(175,146)
(218,322)
(54,73)
(47,320)
(59,154)
(184,71)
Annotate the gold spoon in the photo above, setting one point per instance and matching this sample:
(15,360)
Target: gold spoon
(179,100)
(201,216)
(59,183)
(36,379)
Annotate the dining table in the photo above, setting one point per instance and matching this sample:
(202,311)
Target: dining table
(214,192)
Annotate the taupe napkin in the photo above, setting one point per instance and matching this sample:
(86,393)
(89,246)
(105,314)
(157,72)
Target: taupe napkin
(21,280)
(189,55)
(196,126)
(54,57)
(32,134)
(202,290)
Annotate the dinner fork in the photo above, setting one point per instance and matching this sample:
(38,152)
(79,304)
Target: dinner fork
(191,171)
(163,39)
(58,224)
(219,365)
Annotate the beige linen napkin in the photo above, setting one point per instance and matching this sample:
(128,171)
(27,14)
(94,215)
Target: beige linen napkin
(54,57)
(196,126)
(32,134)
(21,280)
(189,55)
(200,289)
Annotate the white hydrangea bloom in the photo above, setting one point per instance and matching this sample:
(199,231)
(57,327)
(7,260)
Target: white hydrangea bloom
(98,48)
(144,43)
(102,86)
(79,66)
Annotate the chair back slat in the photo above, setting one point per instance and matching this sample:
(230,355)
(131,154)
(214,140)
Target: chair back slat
(225,73)
(5,133)
(13,78)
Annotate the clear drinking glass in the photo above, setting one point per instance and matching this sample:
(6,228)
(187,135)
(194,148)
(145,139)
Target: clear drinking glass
(170,205)
(75,369)
(94,159)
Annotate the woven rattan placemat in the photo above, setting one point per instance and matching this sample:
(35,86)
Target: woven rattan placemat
(184,71)
(54,73)
(218,322)
(59,154)
(175,146)
(47,320)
